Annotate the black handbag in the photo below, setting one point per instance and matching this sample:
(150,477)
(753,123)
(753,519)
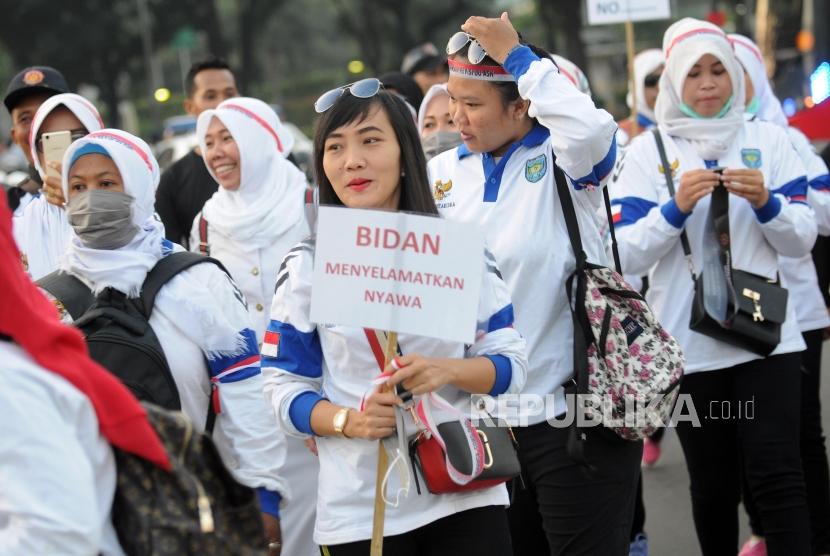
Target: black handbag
(757,306)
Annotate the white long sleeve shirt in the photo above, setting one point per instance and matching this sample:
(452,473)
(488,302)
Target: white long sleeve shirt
(515,200)
(57,472)
(649,225)
(313,361)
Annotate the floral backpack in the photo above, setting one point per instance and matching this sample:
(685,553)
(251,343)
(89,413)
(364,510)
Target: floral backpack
(627,368)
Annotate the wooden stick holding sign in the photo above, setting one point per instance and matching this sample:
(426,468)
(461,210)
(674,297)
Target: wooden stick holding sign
(379,516)
(632,85)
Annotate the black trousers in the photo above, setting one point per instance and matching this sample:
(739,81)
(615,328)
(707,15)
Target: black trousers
(567,508)
(749,424)
(813,451)
(476,532)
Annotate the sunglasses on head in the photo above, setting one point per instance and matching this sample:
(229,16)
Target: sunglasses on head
(74,136)
(475,54)
(365,88)
(652,80)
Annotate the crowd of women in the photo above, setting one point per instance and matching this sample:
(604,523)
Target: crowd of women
(298,406)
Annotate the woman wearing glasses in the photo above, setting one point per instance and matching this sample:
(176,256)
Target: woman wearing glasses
(648,65)
(518,115)
(249,225)
(367,154)
(731,202)
(42,231)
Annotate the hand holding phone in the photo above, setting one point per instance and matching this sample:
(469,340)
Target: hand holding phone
(54,146)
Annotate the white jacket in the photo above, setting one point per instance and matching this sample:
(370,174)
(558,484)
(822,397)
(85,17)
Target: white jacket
(336,362)
(245,432)
(57,472)
(649,225)
(517,204)
(253,270)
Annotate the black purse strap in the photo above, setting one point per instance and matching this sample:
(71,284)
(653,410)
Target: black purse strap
(572,223)
(664,160)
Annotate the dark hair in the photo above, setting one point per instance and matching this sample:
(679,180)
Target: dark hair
(509,90)
(207,64)
(416,195)
(405,85)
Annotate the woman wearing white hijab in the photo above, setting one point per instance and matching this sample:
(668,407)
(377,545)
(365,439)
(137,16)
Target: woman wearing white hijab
(805,295)
(249,224)
(700,118)
(42,231)
(648,65)
(109,181)
(435,125)
(257,214)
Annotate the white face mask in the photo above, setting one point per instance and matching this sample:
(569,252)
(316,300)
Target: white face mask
(102,219)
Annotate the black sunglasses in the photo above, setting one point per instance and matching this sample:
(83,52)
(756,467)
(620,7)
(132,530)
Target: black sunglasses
(651,80)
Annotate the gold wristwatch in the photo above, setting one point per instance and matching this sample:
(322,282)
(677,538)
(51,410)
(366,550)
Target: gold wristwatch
(339,421)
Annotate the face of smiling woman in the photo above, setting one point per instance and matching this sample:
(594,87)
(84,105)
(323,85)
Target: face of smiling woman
(362,160)
(222,155)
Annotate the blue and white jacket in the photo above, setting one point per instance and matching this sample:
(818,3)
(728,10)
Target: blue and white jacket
(515,200)
(314,361)
(649,225)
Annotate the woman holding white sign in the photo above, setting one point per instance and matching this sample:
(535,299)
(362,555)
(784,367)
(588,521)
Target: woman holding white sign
(368,155)
(518,114)
(708,203)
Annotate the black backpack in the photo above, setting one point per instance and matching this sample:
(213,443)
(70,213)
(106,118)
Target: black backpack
(117,329)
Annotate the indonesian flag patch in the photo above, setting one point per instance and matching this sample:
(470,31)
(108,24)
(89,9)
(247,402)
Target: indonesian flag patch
(271,344)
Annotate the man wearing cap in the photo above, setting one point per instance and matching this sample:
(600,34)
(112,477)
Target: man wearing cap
(426,66)
(24,95)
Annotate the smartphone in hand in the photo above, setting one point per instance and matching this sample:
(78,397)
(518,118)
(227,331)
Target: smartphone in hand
(54,147)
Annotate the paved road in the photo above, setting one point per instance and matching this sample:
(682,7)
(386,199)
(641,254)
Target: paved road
(666,491)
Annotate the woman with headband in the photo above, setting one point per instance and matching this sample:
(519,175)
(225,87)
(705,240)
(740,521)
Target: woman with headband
(42,231)
(805,295)
(739,205)
(109,181)
(249,225)
(518,115)
(367,154)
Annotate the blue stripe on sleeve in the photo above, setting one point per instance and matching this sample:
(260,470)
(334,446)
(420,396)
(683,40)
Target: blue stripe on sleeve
(601,169)
(821,183)
(300,410)
(632,209)
(502,319)
(504,374)
(794,188)
(247,360)
(673,214)
(269,501)
(519,60)
(769,210)
(299,352)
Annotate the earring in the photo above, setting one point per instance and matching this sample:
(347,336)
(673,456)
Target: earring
(403,173)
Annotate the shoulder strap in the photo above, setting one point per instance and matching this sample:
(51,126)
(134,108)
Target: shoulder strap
(164,271)
(664,160)
(570,216)
(75,296)
(204,246)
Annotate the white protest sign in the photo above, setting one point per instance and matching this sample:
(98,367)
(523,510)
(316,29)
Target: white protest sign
(601,12)
(397,272)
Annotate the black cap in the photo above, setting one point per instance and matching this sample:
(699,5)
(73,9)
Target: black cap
(34,79)
(422,57)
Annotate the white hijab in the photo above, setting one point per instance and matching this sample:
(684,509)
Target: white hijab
(769,107)
(573,73)
(433,92)
(199,314)
(44,230)
(269,200)
(684,43)
(645,63)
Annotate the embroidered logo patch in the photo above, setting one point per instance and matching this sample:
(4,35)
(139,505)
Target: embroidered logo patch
(33,77)
(632,329)
(672,168)
(535,168)
(441,190)
(751,158)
